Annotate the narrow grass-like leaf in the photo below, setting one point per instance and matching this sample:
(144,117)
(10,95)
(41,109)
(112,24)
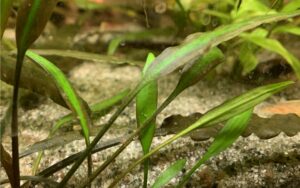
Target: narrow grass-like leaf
(69,95)
(173,57)
(4,14)
(146,104)
(86,56)
(222,112)
(169,173)
(78,107)
(31,20)
(225,138)
(134,36)
(33,78)
(275,46)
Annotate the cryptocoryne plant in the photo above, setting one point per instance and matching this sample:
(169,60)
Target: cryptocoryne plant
(198,55)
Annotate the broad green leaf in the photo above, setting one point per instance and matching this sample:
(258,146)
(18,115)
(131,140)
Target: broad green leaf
(225,138)
(220,113)
(291,6)
(173,57)
(33,16)
(292,29)
(69,93)
(4,14)
(169,173)
(247,58)
(146,105)
(275,46)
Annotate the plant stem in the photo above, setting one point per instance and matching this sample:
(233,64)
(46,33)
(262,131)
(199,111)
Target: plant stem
(130,97)
(14,122)
(146,172)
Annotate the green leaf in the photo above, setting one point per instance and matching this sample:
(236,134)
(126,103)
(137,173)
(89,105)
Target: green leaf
(220,113)
(87,56)
(169,173)
(225,138)
(146,105)
(247,58)
(275,46)
(251,8)
(291,6)
(69,94)
(146,35)
(33,78)
(198,70)
(197,44)
(33,16)
(4,14)
(292,29)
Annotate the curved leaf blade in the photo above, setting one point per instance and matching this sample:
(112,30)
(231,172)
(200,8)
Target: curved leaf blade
(169,173)
(69,93)
(225,138)
(146,104)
